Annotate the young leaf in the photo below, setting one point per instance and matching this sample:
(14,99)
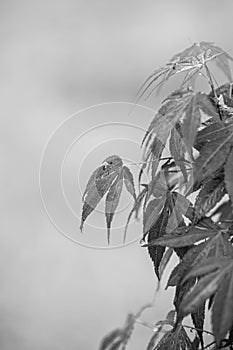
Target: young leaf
(222,320)
(112,201)
(128,180)
(220,57)
(229,175)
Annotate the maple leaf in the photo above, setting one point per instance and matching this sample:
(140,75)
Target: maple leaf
(112,201)
(107,179)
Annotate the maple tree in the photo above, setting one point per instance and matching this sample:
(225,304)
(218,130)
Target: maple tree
(188,203)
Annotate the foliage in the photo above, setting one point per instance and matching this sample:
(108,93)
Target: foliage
(188,203)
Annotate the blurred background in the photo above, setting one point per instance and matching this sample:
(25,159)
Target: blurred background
(57,58)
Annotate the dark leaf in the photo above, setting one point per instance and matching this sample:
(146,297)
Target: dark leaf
(229,175)
(152,212)
(198,318)
(222,315)
(165,260)
(212,156)
(204,288)
(211,193)
(157,230)
(182,237)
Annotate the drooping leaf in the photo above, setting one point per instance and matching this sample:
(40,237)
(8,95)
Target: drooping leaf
(228,170)
(198,318)
(222,319)
(165,260)
(129,182)
(135,209)
(112,201)
(152,213)
(98,184)
(155,231)
(95,194)
(191,122)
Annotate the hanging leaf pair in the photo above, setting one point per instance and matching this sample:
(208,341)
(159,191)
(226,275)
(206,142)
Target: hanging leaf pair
(107,179)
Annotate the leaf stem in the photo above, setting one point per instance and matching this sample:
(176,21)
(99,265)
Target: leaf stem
(198,329)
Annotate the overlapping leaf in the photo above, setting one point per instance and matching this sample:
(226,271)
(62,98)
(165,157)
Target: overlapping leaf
(210,194)
(212,157)
(107,180)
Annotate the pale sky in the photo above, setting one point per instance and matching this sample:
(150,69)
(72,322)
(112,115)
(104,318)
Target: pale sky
(57,58)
